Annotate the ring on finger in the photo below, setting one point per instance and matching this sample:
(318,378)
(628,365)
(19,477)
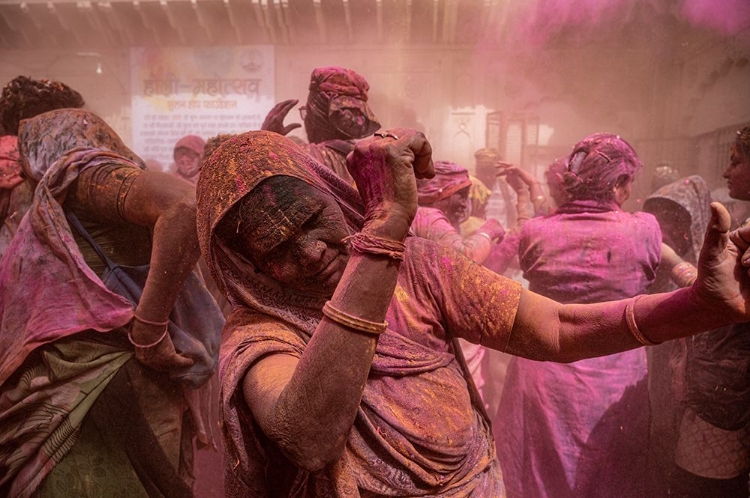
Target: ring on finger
(386,135)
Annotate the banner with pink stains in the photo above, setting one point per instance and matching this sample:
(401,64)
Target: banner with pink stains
(196,91)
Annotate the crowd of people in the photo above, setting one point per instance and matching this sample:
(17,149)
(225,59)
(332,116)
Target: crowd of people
(337,317)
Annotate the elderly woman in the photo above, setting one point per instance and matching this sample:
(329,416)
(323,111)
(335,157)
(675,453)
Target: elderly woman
(562,426)
(444,205)
(102,354)
(703,448)
(338,362)
(336,114)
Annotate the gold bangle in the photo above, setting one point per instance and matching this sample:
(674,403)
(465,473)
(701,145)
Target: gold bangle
(633,327)
(684,274)
(149,322)
(146,346)
(353,322)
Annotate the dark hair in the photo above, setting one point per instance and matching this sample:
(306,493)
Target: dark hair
(24,98)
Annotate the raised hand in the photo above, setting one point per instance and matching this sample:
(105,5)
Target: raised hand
(385,168)
(723,284)
(275,118)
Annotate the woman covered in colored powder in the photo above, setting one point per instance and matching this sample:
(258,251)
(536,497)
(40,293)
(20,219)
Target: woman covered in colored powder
(700,386)
(101,373)
(23,98)
(339,374)
(188,153)
(336,114)
(443,205)
(580,430)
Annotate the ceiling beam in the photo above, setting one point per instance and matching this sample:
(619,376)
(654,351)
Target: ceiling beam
(147,23)
(173,23)
(202,20)
(233,21)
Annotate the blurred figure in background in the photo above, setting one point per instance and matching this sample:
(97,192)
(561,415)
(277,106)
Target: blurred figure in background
(336,114)
(188,153)
(580,430)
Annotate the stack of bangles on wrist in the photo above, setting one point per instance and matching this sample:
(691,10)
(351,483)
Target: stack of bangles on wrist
(353,322)
(633,327)
(370,244)
(684,274)
(164,324)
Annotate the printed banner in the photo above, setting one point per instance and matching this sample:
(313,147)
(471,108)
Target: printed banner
(196,91)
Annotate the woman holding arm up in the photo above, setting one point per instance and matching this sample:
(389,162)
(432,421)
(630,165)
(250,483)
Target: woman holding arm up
(338,370)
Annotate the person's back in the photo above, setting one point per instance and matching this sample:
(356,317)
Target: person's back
(579,429)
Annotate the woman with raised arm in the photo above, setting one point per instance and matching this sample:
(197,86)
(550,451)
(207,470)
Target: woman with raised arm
(338,370)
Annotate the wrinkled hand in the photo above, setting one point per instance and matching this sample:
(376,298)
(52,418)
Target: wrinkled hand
(385,171)
(723,283)
(516,177)
(275,118)
(494,229)
(161,357)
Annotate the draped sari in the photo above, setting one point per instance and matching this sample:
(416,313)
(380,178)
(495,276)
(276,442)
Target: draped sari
(420,429)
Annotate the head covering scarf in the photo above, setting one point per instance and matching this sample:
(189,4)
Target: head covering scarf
(192,142)
(449,178)
(596,164)
(338,101)
(269,318)
(238,166)
(691,195)
(47,291)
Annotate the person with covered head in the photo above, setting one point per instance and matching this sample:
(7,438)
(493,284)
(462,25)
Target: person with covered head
(335,115)
(444,205)
(701,384)
(103,350)
(580,429)
(338,367)
(23,98)
(188,153)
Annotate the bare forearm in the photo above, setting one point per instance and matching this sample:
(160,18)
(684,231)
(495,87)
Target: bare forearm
(549,331)
(316,410)
(174,254)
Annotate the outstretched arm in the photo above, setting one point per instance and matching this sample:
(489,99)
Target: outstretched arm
(546,330)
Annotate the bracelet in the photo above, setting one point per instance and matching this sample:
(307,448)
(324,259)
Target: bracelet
(371,244)
(633,327)
(684,274)
(146,346)
(353,322)
(485,234)
(149,322)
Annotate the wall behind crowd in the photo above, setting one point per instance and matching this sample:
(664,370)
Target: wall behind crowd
(670,104)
